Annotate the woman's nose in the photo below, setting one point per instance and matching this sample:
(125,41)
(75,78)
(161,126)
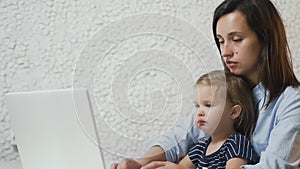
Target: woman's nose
(226,50)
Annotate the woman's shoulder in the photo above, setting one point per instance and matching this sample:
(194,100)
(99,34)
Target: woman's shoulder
(259,91)
(288,103)
(290,95)
(291,91)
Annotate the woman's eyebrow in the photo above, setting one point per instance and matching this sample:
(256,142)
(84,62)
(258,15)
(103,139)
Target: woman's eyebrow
(218,36)
(235,33)
(231,34)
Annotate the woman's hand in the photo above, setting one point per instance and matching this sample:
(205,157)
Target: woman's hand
(126,164)
(162,165)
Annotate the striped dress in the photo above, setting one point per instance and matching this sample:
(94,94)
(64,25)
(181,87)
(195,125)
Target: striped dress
(237,145)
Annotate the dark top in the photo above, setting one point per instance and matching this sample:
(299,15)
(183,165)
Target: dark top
(237,145)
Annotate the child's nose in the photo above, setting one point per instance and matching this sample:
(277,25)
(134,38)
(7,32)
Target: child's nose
(201,112)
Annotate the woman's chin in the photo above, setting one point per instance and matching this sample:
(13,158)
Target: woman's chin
(236,72)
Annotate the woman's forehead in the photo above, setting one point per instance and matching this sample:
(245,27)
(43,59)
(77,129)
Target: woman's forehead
(231,23)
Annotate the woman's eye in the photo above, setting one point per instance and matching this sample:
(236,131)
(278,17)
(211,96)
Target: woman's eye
(221,41)
(237,40)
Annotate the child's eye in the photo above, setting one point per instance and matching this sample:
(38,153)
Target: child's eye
(197,105)
(208,105)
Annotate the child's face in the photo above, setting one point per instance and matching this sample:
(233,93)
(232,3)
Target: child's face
(212,114)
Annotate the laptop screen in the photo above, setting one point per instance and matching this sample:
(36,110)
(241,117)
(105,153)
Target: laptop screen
(55,129)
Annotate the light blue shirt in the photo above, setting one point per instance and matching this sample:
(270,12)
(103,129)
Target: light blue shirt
(276,136)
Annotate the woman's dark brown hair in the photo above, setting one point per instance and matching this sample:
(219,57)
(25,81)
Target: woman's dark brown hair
(275,63)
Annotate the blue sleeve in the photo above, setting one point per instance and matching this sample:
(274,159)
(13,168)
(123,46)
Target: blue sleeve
(178,140)
(283,149)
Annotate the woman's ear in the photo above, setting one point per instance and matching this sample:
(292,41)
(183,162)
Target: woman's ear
(236,111)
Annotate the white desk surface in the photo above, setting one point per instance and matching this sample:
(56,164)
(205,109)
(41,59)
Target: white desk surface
(10,165)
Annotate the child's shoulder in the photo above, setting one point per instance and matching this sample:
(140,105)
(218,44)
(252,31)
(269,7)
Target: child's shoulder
(204,140)
(238,145)
(237,138)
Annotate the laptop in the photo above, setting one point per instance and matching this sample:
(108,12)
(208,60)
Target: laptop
(55,129)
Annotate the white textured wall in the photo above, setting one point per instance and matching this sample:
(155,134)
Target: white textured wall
(139,67)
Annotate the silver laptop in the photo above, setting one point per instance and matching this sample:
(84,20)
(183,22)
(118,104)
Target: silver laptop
(55,129)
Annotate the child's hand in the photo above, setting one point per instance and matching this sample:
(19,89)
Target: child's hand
(161,165)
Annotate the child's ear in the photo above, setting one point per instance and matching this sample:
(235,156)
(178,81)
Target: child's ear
(236,111)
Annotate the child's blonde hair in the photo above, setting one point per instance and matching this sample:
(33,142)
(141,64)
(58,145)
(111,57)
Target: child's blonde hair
(237,93)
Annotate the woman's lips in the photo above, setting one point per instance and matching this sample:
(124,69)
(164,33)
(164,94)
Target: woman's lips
(231,64)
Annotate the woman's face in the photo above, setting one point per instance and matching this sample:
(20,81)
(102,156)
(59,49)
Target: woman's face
(239,45)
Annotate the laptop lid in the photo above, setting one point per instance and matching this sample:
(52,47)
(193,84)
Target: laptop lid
(55,129)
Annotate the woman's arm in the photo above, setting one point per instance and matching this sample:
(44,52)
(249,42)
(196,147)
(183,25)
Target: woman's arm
(177,141)
(156,153)
(171,146)
(280,144)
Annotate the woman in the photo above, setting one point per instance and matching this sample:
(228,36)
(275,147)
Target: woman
(252,42)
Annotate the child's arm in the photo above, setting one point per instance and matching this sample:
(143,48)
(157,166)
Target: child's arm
(186,163)
(235,163)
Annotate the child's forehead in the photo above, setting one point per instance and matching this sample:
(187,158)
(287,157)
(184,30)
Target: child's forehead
(212,87)
(215,90)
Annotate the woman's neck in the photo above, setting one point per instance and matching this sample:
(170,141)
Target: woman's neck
(253,79)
